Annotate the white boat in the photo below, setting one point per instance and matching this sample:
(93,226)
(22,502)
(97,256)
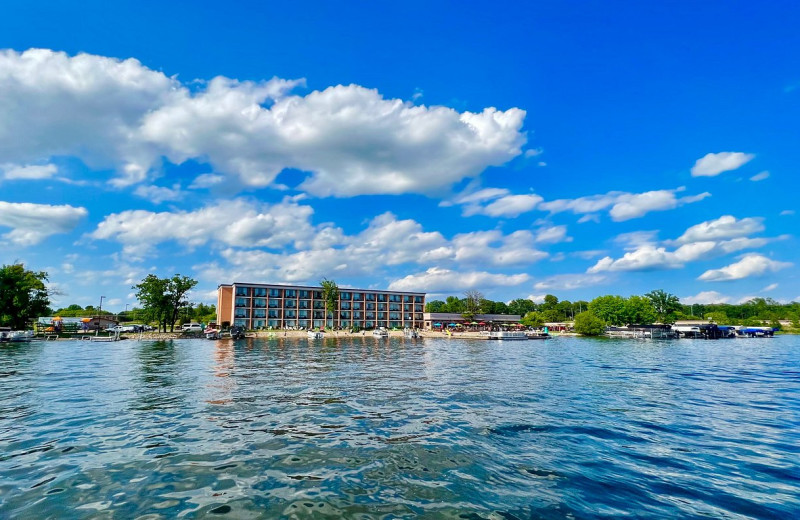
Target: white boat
(410,333)
(380,333)
(315,334)
(211,333)
(507,335)
(16,335)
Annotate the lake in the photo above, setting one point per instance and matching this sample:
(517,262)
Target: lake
(398,428)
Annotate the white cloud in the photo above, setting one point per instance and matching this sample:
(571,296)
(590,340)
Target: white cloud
(159,194)
(713,164)
(568,282)
(493,248)
(29,172)
(760,176)
(441,280)
(644,258)
(787,212)
(32,223)
(705,297)
(770,287)
(510,206)
(726,226)
(622,205)
(233,223)
(120,115)
(750,265)
(206,180)
(552,235)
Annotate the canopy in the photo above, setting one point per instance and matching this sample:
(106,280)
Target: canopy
(474,323)
(437,324)
(86,320)
(481,323)
(57,318)
(452,325)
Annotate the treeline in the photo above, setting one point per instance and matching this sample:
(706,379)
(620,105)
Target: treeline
(657,306)
(192,312)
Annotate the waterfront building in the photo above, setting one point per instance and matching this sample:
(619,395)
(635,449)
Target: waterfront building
(440,320)
(264,306)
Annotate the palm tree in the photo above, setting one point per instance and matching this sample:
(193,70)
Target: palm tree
(330,293)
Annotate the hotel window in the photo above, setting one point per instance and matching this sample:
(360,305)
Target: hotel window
(258,324)
(274,304)
(357,306)
(406,299)
(274,323)
(305,304)
(417,299)
(260,313)
(290,314)
(370,315)
(319,315)
(305,294)
(319,304)
(345,315)
(274,314)
(290,304)
(370,306)
(381,315)
(242,302)
(259,302)
(260,291)
(369,325)
(381,306)
(370,297)
(303,314)
(240,323)
(241,291)
(275,293)
(317,295)
(358,296)
(407,317)
(345,306)
(394,315)
(394,307)
(290,293)
(381,297)
(357,316)
(418,308)
(346,296)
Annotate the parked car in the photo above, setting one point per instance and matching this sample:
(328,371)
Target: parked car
(192,327)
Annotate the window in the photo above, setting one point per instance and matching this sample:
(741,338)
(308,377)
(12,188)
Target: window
(241,291)
(345,296)
(305,294)
(274,304)
(260,291)
(242,302)
(275,293)
(290,304)
(259,303)
(358,296)
(289,293)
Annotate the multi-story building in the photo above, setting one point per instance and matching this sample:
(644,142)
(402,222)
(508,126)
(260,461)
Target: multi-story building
(257,306)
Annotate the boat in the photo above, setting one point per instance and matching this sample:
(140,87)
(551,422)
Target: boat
(507,335)
(410,333)
(237,332)
(380,333)
(211,333)
(315,334)
(4,332)
(755,332)
(538,335)
(20,335)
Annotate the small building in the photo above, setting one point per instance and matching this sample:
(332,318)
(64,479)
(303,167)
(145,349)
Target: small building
(442,320)
(69,324)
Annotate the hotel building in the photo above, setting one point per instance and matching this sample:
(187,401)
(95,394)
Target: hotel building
(256,306)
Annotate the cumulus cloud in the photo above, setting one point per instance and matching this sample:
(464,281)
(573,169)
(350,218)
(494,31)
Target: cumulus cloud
(29,172)
(158,194)
(32,223)
(508,206)
(770,287)
(713,164)
(623,206)
(705,298)
(441,280)
(760,176)
(787,212)
(726,226)
(120,115)
(749,265)
(493,248)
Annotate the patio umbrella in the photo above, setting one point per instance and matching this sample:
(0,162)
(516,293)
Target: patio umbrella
(451,325)
(474,323)
(86,320)
(437,324)
(57,318)
(481,323)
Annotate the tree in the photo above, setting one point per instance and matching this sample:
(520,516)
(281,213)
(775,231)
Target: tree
(501,308)
(665,305)
(472,304)
(163,298)
(330,293)
(23,295)
(521,306)
(550,302)
(454,305)
(639,310)
(610,309)
(587,324)
(435,306)
(533,319)
(718,317)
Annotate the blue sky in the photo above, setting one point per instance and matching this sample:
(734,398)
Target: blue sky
(516,148)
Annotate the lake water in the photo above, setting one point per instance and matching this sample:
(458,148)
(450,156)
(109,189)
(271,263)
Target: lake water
(377,428)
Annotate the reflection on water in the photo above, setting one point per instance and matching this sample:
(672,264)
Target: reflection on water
(374,428)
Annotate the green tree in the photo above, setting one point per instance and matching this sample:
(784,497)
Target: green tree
(718,317)
(533,319)
(550,302)
(639,310)
(454,305)
(665,305)
(23,295)
(435,306)
(521,306)
(163,298)
(501,308)
(610,309)
(587,324)
(330,293)
(472,304)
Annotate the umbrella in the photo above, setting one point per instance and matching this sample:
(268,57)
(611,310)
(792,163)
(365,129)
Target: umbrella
(86,320)
(451,325)
(481,323)
(57,318)
(474,323)
(437,324)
